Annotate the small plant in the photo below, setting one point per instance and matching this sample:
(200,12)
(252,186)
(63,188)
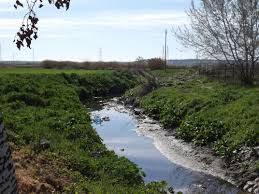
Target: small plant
(201,132)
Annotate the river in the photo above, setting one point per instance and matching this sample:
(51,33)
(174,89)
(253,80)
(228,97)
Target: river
(122,133)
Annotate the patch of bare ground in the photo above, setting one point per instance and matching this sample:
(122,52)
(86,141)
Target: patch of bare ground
(38,173)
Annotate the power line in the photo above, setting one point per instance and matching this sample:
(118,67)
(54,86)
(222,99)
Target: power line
(163,52)
(168,56)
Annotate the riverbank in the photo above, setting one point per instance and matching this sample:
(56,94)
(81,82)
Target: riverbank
(55,148)
(142,140)
(221,117)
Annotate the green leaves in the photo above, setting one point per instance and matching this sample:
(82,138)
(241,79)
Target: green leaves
(66,124)
(201,131)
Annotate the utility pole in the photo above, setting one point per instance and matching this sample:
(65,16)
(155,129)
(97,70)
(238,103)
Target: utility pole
(163,52)
(165,49)
(167,55)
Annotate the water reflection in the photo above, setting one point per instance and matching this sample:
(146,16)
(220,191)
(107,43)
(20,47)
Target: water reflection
(119,134)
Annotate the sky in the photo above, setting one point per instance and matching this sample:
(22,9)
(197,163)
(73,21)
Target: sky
(122,29)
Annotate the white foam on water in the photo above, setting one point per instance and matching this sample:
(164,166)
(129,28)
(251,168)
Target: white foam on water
(179,152)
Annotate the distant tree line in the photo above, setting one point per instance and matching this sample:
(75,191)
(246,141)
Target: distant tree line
(139,64)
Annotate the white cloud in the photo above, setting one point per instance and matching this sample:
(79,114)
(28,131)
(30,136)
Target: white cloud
(6,36)
(117,20)
(6,1)
(129,20)
(5,10)
(9,24)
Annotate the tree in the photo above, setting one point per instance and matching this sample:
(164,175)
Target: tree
(156,63)
(140,63)
(29,30)
(226,30)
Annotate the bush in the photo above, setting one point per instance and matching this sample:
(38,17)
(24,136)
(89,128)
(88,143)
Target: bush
(156,63)
(28,99)
(46,106)
(201,131)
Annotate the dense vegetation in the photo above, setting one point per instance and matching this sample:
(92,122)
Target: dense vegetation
(39,106)
(207,113)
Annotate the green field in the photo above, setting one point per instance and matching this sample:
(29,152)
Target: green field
(37,105)
(13,70)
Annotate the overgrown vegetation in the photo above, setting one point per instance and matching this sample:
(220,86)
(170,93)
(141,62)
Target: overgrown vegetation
(207,113)
(42,107)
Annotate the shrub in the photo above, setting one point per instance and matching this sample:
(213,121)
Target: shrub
(28,98)
(200,131)
(156,63)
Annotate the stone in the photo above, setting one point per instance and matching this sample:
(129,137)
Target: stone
(245,154)
(137,111)
(44,144)
(171,190)
(43,188)
(105,118)
(256,149)
(256,191)
(250,183)
(153,129)
(250,190)
(246,187)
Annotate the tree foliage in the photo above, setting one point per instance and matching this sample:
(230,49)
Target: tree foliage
(29,28)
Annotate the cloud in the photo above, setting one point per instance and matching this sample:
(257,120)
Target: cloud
(131,20)
(3,10)
(48,36)
(145,19)
(6,36)
(115,20)
(9,23)
(7,2)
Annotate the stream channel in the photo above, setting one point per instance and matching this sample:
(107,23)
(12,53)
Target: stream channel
(138,140)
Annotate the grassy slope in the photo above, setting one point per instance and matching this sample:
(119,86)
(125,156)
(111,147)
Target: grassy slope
(38,106)
(219,115)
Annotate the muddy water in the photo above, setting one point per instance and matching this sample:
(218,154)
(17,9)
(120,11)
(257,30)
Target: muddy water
(120,132)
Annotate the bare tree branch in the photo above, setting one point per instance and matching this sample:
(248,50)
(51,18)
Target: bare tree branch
(226,30)
(29,30)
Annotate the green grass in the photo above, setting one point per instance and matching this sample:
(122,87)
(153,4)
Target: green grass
(14,70)
(38,105)
(208,113)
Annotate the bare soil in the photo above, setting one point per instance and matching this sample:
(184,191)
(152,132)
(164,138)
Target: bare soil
(38,173)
